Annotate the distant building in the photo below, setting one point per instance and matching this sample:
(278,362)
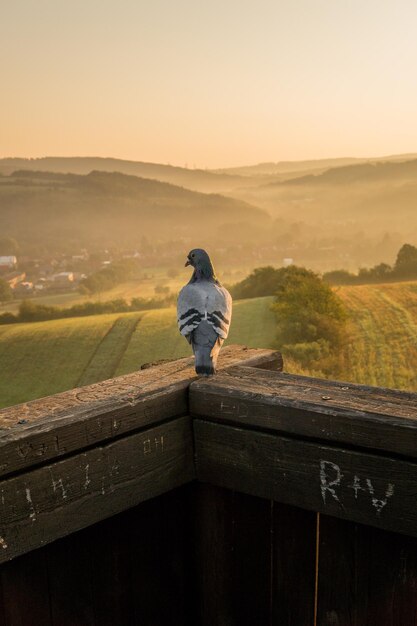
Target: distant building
(63,278)
(287,261)
(23,287)
(14,278)
(7,262)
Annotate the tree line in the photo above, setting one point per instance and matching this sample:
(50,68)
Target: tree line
(404,268)
(31,312)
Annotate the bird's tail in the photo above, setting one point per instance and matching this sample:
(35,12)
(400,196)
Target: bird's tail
(206,346)
(204,361)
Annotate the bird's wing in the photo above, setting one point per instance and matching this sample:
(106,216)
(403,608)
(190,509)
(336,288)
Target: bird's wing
(190,308)
(204,300)
(219,310)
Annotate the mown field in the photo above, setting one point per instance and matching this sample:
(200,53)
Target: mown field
(382,347)
(43,358)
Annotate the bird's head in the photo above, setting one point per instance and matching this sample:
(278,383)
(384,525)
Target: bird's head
(200,261)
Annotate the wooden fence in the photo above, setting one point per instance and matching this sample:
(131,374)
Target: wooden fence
(251,498)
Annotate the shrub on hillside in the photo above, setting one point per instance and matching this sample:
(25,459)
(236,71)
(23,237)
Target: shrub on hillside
(307,309)
(310,319)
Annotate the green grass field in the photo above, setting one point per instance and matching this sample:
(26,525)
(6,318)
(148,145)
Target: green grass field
(43,358)
(139,288)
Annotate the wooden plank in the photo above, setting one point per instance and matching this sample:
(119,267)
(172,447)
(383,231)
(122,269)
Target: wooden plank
(252,558)
(110,553)
(378,419)
(25,587)
(342,584)
(71,572)
(44,429)
(363,487)
(2,604)
(367,576)
(293,565)
(233,551)
(56,500)
(163,585)
(214,547)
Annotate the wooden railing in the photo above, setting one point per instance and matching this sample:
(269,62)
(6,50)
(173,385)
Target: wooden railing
(254,497)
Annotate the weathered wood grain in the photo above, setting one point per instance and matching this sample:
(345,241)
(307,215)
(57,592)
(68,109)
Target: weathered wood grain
(132,568)
(367,576)
(377,419)
(24,592)
(44,429)
(233,553)
(293,565)
(163,583)
(362,487)
(72,571)
(55,500)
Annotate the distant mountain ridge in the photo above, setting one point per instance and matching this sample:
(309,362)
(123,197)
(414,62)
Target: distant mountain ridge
(225,180)
(194,179)
(284,167)
(363,173)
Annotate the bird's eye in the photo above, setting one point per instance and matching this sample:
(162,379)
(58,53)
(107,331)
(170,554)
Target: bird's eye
(192,256)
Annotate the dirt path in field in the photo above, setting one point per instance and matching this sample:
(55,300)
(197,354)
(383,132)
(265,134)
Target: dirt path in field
(109,352)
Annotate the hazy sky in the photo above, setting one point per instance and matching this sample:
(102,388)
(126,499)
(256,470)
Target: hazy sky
(214,83)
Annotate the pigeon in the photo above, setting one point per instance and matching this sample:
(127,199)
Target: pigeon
(204,311)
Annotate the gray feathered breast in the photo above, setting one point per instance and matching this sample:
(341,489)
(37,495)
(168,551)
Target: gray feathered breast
(204,300)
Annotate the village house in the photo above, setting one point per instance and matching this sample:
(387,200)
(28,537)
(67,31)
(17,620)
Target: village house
(14,278)
(7,262)
(63,279)
(23,288)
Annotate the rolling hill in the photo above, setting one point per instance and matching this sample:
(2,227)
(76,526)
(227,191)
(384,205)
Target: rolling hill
(105,209)
(353,209)
(43,358)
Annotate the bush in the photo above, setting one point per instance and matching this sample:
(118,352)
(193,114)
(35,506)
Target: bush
(311,319)
(264,281)
(339,277)
(8,318)
(109,276)
(308,354)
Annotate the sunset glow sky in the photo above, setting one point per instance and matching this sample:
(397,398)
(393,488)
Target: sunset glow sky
(208,84)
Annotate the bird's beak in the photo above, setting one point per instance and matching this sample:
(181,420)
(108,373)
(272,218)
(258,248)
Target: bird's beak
(188,263)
